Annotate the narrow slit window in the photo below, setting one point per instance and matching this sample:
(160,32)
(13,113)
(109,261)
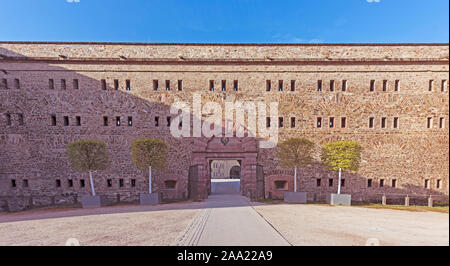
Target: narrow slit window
(344,85)
(430,85)
(318,182)
(280,85)
(268,85)
(211,85)
(4,83)
(21,119)
(343,122)
(369,182)
(441,122)
(8,119)
(371,119)
(103,84)
(156,121)
(167,85)
(292,85)
(438,183)
(397,85)
(53,120)
(280,122)
(169,120)
(105,121)
(63,84)
(109,182)
(292,122)
(155,85)
(319,122)
(235,85)
(331,122)
(443,84)
(330,182)
(394,182)
(58,183)
(381,182)
(13,183)
(180,85)
(267,121)
(70,183)
(395,122)
(429,122)
(78,120)
(127,85)
(116,84)
(372,85)
(117,120)
(17,83)
(224,85)
(66,120)
(121,182)
(319,85)
(342,182)
(383,122)
(427,183)
(82,183)
(133,182)
(130,121)
(385,82)
(51,84)
(75,84)
(331,85)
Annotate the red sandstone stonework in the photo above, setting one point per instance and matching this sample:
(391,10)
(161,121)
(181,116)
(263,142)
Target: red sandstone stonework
(32,149)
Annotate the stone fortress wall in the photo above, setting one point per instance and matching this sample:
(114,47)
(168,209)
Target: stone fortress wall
(54,93)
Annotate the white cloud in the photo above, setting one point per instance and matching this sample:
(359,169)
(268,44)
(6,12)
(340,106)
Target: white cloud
(373,1)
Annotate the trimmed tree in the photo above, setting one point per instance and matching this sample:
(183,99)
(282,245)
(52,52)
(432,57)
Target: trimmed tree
(88,155)
(149,153)
(296,152)
(342,155)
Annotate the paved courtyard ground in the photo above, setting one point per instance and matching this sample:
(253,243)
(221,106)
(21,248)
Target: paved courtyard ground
(113,226)
(311,224)
(225,219)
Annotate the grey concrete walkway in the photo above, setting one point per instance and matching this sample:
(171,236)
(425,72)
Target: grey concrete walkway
(229,220)
(237,224)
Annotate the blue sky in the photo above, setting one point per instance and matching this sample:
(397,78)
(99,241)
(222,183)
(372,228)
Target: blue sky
(226,21)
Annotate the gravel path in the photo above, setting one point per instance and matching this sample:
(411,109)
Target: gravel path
(147,227)
(307,224)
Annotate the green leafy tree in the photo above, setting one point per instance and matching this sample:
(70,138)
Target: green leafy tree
(342,155)
(296,152)
(88,155)
(149,153)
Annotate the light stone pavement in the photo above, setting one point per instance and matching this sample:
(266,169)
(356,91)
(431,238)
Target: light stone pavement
(228,219)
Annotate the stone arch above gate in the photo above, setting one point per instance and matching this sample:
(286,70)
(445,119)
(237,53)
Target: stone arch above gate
(226,148)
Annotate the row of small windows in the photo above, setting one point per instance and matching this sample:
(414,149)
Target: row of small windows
(117,121)
(63,84)
(66,120)
(382,183)
(9,118)
(281,123)
(430,122)
(331,122)
(280,87)
(4,83)
(70,183)
(172,183)
(383,122)
(168,184)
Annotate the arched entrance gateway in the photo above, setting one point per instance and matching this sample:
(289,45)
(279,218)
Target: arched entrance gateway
(244,150)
